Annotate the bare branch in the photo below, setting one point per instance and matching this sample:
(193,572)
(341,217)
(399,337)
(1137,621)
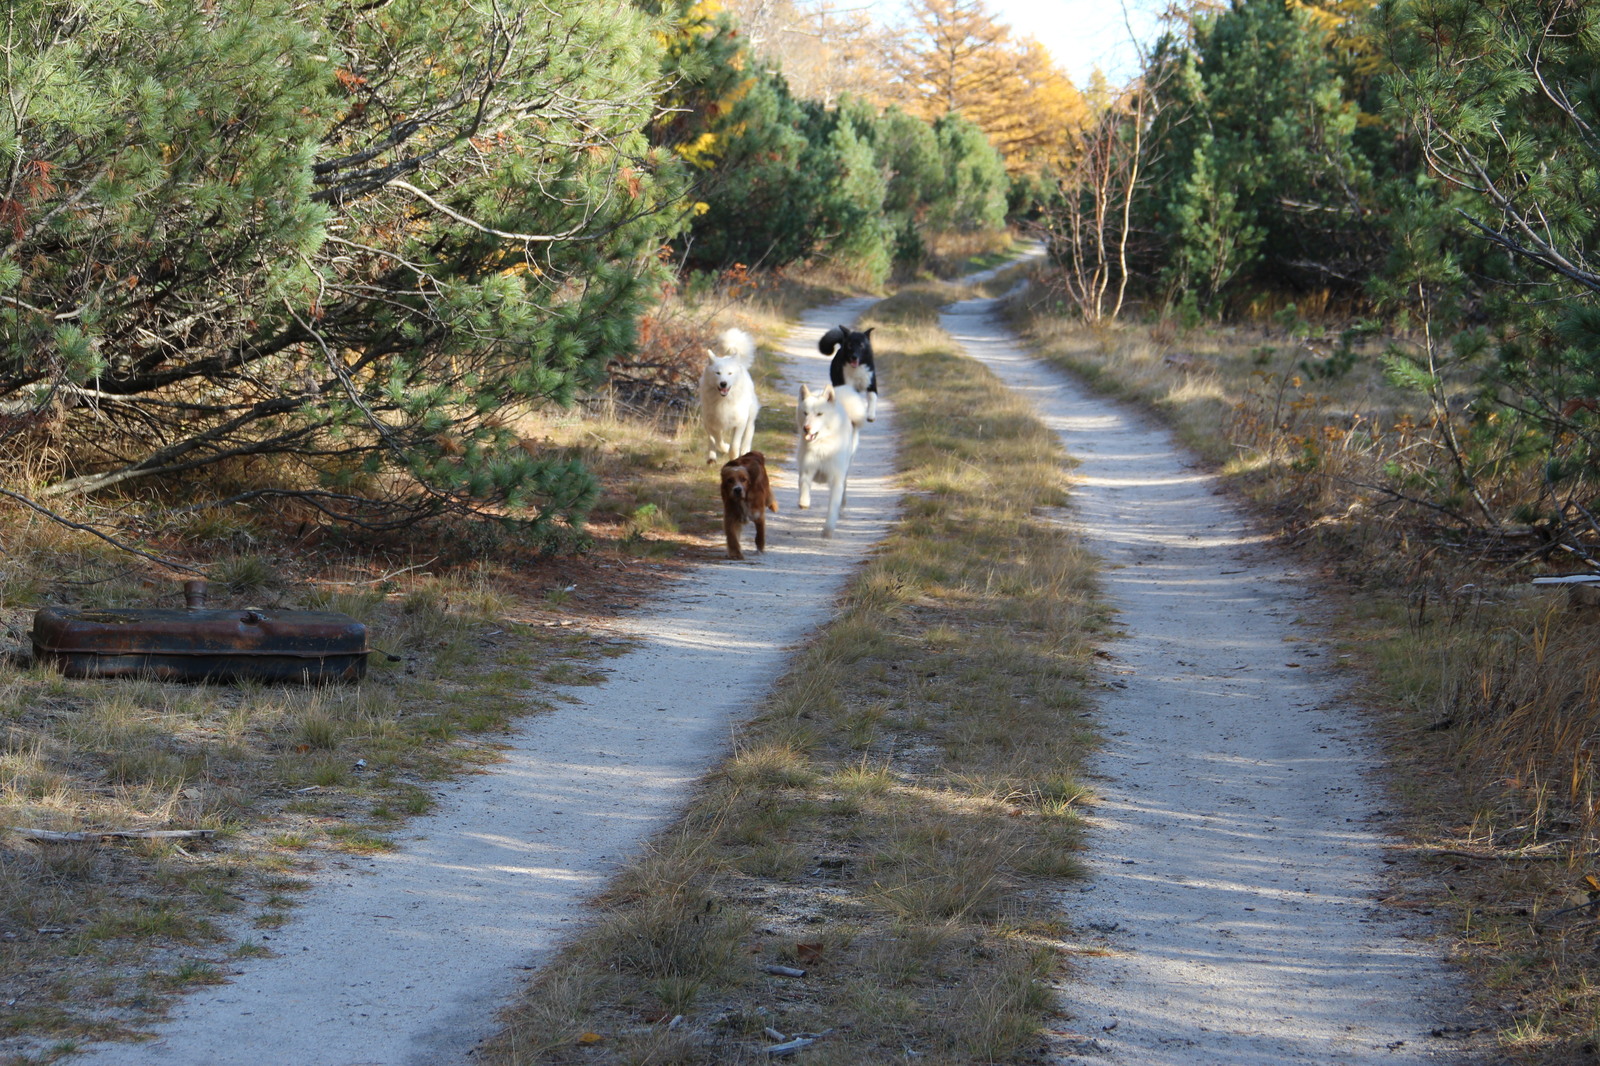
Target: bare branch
(108,538)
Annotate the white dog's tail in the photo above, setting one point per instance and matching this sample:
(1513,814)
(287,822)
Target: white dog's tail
(855,406)
(739,344)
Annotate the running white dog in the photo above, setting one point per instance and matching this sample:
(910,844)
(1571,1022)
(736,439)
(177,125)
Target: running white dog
(827,422)
(728,401)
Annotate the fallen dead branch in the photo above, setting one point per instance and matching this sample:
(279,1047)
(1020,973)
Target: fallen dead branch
(49,836)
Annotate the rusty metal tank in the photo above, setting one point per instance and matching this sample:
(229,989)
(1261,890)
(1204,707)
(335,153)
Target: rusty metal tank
(200,643)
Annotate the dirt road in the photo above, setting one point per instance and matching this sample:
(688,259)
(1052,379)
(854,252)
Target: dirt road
(1235,861)
(1231,917)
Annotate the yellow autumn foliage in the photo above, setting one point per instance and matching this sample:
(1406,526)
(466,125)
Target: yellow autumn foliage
(958,58)
(1343,21)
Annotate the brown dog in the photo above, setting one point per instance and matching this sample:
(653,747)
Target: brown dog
(746,497)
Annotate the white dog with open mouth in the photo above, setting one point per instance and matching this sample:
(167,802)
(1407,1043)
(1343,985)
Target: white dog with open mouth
(827,423)
(728,401)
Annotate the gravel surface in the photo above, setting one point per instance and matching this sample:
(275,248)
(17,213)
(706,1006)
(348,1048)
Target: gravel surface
(404,958)
(1237,856)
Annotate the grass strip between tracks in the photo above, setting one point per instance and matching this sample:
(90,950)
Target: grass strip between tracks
(898,820)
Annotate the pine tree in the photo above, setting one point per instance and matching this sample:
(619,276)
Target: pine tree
(973,193)
(1505,98)
(1254,153)
(760,196)
(852,206)
(156,178)
(1215,239)
(334,246)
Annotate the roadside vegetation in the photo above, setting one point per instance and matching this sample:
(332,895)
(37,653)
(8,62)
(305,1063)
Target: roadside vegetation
(898,819)
(271,782)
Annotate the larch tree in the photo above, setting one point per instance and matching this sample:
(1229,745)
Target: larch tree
(955,57)
(1037,116)
(952,56)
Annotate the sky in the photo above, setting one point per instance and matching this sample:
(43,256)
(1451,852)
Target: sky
(1080,34)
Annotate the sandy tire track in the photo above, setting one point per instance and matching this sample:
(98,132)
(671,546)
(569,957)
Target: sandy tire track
(403,959)
(1236,852)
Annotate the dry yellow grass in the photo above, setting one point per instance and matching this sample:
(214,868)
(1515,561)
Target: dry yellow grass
(97,933)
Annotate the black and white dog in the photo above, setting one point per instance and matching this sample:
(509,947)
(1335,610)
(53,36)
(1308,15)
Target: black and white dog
(852,363)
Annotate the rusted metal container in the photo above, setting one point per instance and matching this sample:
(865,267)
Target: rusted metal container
(202,643)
